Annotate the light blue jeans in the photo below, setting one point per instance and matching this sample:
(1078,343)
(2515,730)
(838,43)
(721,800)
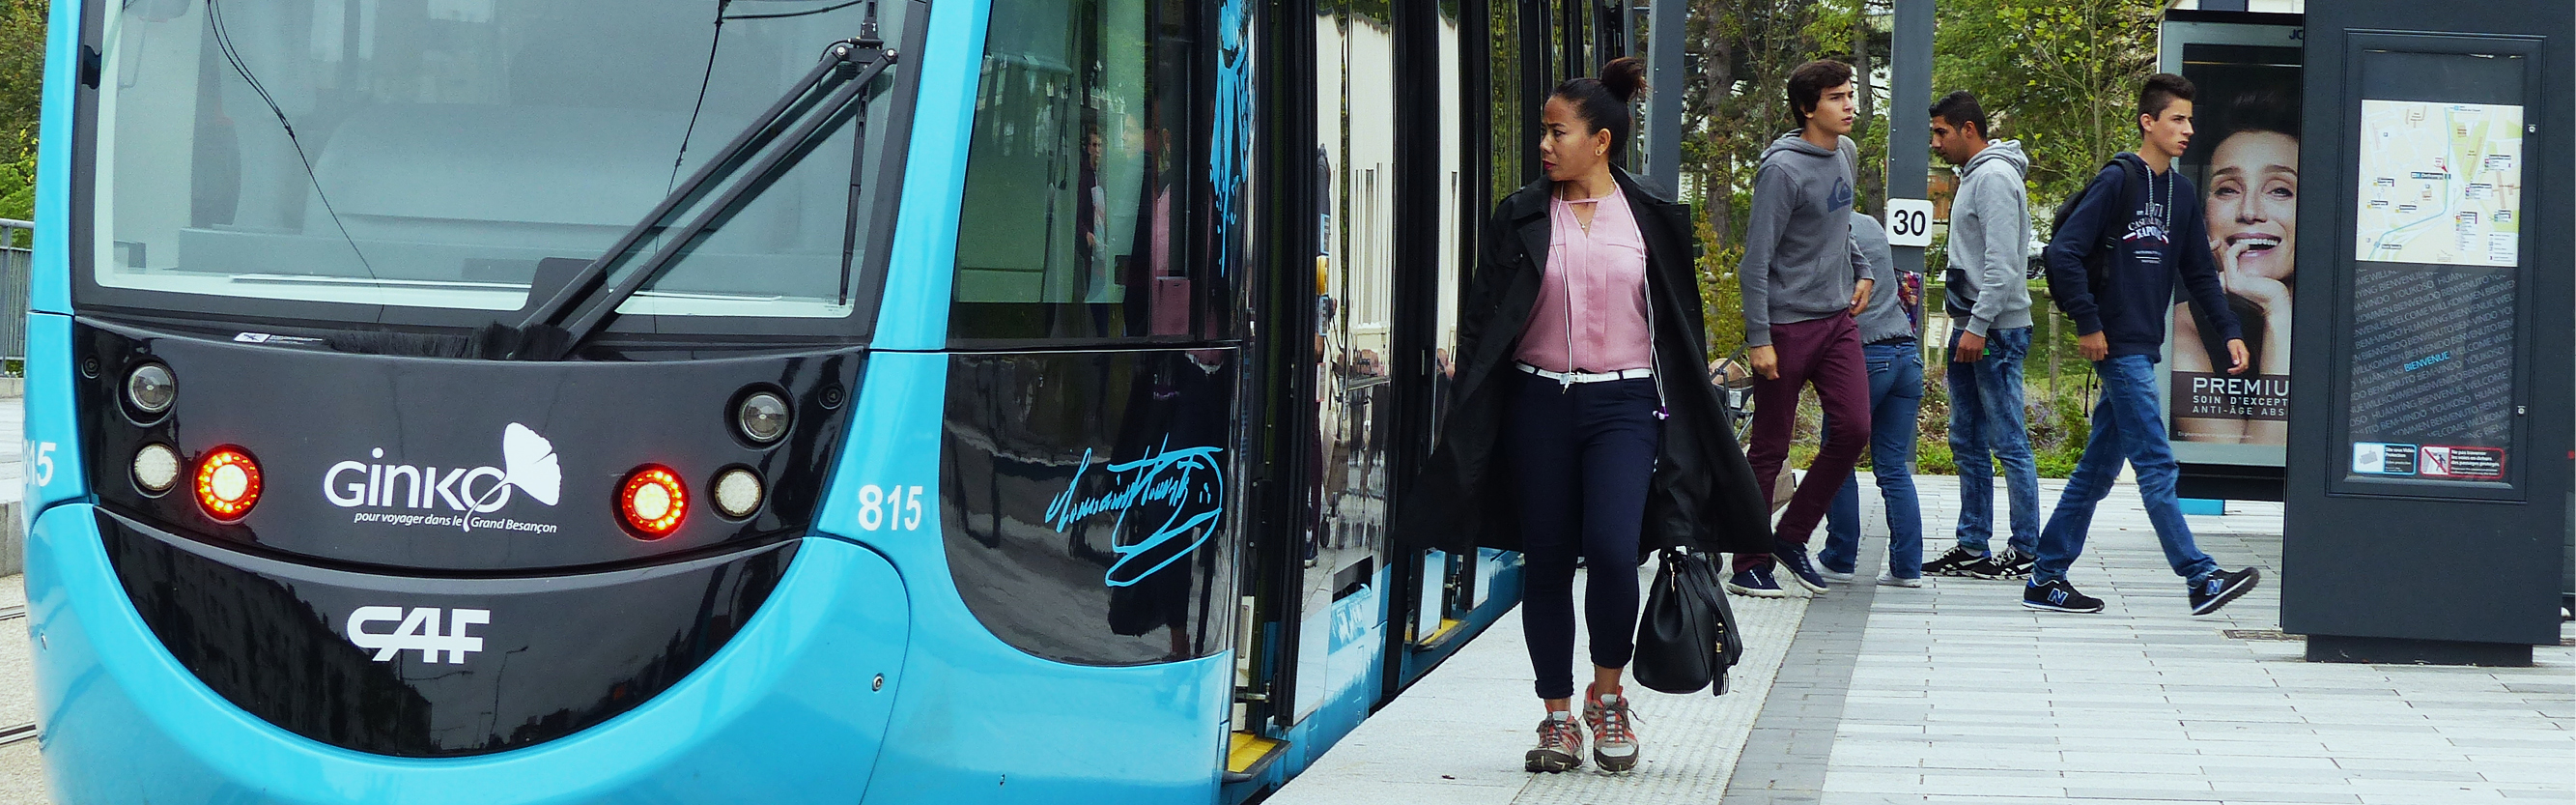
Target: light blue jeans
(1895,395)
(2127,425)
(1987,428)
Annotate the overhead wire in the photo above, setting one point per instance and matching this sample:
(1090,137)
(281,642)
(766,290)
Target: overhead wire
(714,44)
(241,67)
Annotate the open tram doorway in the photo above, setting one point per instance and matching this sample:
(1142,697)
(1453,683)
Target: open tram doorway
(1387,132)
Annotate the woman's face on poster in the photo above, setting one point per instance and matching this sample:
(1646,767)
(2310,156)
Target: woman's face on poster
(2253,206)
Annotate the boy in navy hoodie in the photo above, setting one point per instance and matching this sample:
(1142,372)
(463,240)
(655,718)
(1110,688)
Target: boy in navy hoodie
(2111,268)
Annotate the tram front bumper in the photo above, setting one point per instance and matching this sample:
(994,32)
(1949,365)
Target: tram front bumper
(792,709)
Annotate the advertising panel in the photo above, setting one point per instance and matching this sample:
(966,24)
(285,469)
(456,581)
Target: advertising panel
(2244,159)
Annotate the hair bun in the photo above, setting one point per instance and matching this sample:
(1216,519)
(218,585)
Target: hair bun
(1624,77)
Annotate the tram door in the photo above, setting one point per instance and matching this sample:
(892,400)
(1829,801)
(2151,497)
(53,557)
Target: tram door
(1435,259)
(1341,592)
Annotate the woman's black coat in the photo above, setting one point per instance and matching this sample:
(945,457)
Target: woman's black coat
(1703,493)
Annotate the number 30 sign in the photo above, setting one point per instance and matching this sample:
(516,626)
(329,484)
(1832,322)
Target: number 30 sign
(1909,222)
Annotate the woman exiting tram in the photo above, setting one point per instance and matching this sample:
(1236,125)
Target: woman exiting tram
(1584,423)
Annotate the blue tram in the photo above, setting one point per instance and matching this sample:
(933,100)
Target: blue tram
(993,401)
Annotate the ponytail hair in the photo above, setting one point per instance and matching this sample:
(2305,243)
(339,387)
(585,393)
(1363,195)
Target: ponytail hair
(1603,102)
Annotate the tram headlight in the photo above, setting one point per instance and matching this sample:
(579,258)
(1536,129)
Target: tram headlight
(156,468)
(652,501)
(228,483)
(150,388)
(762,417)
(738,492)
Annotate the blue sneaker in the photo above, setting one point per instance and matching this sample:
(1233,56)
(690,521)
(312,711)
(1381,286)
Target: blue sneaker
(2058,596)
(1755,582)
(1793,558)
(2214,592)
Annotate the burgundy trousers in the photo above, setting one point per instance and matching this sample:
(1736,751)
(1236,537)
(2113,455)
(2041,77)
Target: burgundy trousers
(1825,353)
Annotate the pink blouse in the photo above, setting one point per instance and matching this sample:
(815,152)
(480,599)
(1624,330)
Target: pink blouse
(1596,322)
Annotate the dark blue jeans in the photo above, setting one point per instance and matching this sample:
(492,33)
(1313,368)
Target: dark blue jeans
(1987,428)
(1580,459)
(1895,395)
(2127,425)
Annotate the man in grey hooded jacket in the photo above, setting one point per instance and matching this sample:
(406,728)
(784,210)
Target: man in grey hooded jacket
(1804,280)
(1989,305)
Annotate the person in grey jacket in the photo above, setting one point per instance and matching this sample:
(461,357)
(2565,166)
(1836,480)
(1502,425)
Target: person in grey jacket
(1804,280)
(1989,304)
(1895,396)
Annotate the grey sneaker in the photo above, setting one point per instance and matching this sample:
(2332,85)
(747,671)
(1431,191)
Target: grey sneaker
(1560,745)
(1885,580)
(1614,737)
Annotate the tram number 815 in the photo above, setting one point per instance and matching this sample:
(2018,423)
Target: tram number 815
(896,508)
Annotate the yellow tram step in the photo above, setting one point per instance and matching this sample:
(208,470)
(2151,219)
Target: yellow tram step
(1247,754)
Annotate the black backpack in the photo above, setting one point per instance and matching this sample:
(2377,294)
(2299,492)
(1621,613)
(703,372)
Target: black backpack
(2097,264)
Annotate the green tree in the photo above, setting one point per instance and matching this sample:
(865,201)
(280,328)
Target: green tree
(2062,76)
(18,178)
(22,64)
(22,72)
(1744,51)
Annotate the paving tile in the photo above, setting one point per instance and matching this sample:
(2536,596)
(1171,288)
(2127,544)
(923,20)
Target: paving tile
(1953,693)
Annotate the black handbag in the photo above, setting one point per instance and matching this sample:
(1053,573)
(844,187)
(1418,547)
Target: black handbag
(1687,638)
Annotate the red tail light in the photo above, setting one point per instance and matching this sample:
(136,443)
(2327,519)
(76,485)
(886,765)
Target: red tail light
(227,483)
(653,501)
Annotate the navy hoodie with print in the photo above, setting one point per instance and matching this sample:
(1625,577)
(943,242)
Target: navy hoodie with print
(2158,233)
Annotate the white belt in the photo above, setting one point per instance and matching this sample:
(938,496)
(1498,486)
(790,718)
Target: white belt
(1588,377)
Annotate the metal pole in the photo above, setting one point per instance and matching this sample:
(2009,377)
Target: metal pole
(1909,136)
(1664,104)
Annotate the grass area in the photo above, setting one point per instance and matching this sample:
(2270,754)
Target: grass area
(2057,422)
(2058,427)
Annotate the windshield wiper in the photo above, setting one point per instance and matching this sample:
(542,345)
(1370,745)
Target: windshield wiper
(768,147)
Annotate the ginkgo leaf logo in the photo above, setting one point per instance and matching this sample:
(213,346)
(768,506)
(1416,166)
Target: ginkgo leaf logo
(528,462)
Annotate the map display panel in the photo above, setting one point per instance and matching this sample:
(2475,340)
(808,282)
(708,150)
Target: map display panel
(2441,183)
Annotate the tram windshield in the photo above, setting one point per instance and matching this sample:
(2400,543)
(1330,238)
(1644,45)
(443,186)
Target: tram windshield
(420,161)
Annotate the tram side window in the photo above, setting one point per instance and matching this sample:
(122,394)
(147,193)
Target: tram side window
(1080,188)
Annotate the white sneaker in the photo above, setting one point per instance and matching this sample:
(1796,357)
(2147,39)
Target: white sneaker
(1885,580)
(1833,575)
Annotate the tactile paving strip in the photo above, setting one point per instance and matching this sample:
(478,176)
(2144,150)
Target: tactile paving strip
(1688,744)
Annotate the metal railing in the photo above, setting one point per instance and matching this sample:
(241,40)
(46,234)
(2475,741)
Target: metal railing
(16,261)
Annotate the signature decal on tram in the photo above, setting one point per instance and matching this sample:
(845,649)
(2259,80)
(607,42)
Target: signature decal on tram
(416,495)
(1187,484)
(417,629)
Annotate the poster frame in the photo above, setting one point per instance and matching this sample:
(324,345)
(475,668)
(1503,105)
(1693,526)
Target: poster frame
(2337,377)
(2181,29)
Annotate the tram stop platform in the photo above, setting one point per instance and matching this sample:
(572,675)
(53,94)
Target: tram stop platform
(1954,693)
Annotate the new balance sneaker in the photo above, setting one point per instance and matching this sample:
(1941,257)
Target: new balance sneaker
(2207,595)
(1755,582)
(2058,596)
(1887,580)
(1614,736)
(1954,562)
(1560,745)
(1793,558)
(2009,564)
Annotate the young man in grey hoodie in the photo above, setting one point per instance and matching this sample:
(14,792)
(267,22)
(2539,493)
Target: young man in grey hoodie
(1989,305)
(1804,281)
